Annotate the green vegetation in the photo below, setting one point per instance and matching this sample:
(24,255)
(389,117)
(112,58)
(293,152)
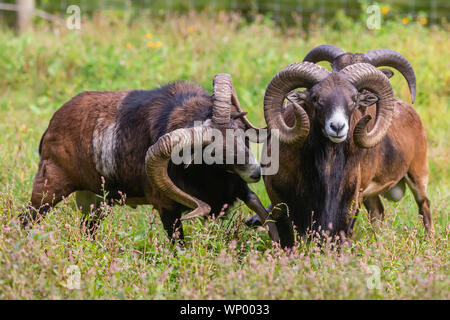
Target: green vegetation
(131,257)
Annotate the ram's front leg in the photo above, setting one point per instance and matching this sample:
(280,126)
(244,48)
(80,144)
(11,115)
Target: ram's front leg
(255,221)
(252,201)
(354,208)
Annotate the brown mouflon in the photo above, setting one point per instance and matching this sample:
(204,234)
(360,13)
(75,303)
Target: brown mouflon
(344,140)
(120,143)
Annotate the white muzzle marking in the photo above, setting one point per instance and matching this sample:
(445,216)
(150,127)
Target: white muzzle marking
(336,126)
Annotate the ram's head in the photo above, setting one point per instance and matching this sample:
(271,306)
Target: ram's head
(330,100)
(340,59)
(219,141)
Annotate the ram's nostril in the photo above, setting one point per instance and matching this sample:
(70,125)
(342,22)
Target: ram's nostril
(256,175)
(337,127)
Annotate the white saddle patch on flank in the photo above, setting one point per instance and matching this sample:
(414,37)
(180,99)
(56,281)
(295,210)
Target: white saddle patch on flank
(104,139)
(103,143)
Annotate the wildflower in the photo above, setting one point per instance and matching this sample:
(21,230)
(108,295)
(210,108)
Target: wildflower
(405,20)
(423,21)
(384,10)
(155,45)
(190,29)
(148,35)
(128,46)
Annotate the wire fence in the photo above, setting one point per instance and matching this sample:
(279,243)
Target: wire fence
(436,11)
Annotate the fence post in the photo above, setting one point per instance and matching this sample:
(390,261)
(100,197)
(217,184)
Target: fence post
(24,14)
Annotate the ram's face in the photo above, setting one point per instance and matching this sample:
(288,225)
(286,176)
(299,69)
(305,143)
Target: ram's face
(334,100)
(231,149)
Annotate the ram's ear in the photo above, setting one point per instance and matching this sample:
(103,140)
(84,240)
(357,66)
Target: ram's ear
(367,99)
(236,115)
(387,72)
(189,161)
(299,97)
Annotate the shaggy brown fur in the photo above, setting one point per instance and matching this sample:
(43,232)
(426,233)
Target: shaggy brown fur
(98,141)
(330,177)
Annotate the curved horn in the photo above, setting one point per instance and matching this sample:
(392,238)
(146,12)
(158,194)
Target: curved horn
(366,76)
(325,52)
(391,58)
(158,157)
(224,96)
(222,92)
(259,136)
(235,101)
(297,75)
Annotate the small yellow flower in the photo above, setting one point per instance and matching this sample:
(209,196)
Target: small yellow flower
(148,35)
(190,29)
(154,45)
(128,46)
(405,20)
(384,10)
(423,21)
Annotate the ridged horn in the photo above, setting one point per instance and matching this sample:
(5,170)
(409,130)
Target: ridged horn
(325,52)
(158,157)
(259,137)
(366,76)
(297,75)
(222,93)
(391,58)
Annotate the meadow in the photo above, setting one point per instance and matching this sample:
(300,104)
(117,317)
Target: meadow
(131,257)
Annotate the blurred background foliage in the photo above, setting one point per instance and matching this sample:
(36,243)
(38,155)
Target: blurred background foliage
(282,11)
(143,44)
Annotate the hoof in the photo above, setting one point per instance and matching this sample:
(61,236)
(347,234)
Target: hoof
(253,222)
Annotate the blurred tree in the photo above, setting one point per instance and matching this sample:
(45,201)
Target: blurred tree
(282,11)
(25,10)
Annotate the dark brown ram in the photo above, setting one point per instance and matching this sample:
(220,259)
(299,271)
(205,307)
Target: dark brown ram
(335,151)
(340,59)
(127,138)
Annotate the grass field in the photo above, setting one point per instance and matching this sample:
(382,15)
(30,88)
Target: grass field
(131,257)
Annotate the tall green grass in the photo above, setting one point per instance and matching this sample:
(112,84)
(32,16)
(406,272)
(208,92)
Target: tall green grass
(131,257)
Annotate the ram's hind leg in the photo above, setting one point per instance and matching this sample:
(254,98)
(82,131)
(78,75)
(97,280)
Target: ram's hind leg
(171,220)
(90,206)
(50,186)
(418,184)
(375,208)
